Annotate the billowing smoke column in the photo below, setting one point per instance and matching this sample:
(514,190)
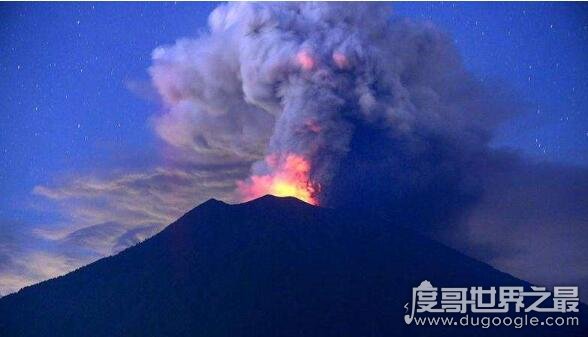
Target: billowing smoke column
(309,93)
(348,106)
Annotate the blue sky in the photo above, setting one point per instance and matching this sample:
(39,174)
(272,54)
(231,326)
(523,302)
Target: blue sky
(540,50)
(66,106)
(75,98)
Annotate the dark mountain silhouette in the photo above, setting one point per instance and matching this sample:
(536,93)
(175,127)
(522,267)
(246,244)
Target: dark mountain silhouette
(269,267)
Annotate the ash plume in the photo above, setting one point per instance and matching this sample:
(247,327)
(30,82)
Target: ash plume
(272,81)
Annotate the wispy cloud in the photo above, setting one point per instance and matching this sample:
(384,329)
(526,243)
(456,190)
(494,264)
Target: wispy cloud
(24,259)
(139,198)
(28,269)
(104,215)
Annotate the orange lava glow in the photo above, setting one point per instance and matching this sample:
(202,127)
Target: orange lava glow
(305,60)
(341,60)
(289,178)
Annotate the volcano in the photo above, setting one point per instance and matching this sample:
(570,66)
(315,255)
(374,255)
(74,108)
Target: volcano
(269,267)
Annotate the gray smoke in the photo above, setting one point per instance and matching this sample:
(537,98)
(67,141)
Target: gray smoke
(280,78)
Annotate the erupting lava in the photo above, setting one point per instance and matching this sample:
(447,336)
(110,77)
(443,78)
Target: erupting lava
(289,178)
(341,60)
(305,60)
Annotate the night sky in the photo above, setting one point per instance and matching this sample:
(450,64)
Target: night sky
(76,104)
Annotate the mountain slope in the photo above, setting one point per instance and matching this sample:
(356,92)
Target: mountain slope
(270,267)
